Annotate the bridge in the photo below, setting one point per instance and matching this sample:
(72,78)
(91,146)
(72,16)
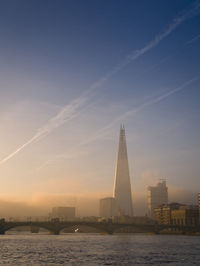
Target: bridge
(55,227)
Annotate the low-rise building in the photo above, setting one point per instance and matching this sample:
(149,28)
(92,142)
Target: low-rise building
(63,213)
(162,213)
(185,216)
(107,207)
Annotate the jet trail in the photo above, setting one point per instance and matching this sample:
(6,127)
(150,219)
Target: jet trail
(134,111)
(73,109)
(194,39)
(140,108)
(64,115)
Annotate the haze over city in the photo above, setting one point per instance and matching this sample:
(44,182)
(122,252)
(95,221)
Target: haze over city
(71,73)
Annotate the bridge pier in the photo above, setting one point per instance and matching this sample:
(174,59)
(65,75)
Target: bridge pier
(110,229)
(156,229)
(2,232)
(110,232)
(34,229)
(2,227)
(56,232)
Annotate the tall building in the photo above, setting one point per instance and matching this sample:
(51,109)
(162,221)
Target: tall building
(199,205)
(157,195)
(122,185)
(107,207)
(63,213)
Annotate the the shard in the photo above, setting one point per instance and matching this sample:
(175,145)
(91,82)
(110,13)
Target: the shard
(122,186)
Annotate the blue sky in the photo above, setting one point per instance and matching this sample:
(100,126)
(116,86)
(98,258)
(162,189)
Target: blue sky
(72,71)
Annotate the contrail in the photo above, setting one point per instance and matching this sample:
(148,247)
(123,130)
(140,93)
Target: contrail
(186,14)
(151,102)
(71,110)
(133,111)
(65,114)
(193,39)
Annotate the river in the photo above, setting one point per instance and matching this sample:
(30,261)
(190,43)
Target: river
(97,249)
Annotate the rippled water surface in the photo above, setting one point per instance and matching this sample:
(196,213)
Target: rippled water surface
(95,249)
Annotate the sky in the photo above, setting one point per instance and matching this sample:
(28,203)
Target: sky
(71,72)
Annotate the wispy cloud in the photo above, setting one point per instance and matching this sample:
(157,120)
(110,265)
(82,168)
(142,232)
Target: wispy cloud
(193,39)
(73,109)
(104,131)
(141,107)
(183,16)
(64,115)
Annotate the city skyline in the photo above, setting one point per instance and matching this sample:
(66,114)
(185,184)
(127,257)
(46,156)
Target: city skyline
(69,78)
(119,205)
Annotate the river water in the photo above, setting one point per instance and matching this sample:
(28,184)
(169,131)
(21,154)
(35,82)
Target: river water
(96,249)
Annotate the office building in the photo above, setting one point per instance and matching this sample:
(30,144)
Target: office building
(107,207)
(157,196)
(122,185)
(199,205)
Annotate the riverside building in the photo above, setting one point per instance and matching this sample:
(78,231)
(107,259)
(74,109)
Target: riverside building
(122,185)
(121,202)
(162,213)
(199,205)
(186,215)
(157,196)
(107,207)
(63,213)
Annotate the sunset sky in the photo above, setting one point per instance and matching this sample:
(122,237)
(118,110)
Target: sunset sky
(72,71)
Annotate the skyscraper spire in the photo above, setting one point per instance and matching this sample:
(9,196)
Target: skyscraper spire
(122,186)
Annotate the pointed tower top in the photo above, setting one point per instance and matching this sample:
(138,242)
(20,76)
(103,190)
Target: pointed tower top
(122,127)
(122,130)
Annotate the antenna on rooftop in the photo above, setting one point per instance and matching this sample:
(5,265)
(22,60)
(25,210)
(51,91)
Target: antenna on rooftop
(162,180)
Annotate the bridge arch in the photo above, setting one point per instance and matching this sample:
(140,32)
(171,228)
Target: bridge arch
(7,228)
(82,228)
